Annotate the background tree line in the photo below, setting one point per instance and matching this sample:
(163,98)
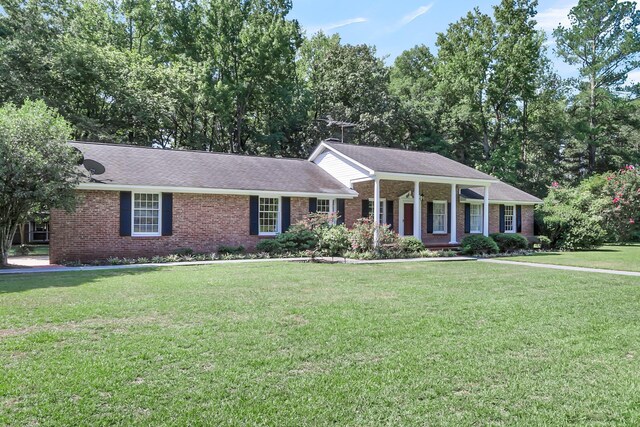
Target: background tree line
(240,76)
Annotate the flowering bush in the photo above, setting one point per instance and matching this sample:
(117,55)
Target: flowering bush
(334,241)
(622,213)
(362,235)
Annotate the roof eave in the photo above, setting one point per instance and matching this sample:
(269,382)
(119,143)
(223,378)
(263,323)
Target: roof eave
(396,176)
(221,191)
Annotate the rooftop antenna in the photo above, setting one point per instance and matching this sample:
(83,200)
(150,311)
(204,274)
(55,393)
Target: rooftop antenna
(330,122)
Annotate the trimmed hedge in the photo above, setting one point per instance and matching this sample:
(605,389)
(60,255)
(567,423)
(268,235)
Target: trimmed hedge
(510,242)
(478,245)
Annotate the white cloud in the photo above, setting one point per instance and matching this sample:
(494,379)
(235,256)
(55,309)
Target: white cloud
(413,15)
(335,25)
(549,19)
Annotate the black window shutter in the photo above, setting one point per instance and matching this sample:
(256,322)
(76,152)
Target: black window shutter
(467,218)
(365,208)
(125,213)
(253,215)
(340,209)
(167,214)
(286,213)
(390,213)
(502,218)
(519,218)
(449,217)
(313,204)
(429,217)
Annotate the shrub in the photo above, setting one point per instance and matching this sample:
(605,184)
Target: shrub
(410,245)
(298,239)
(334,241)
(361,236)
(269,246)
(572,217)
(183,251)
(157,259)
(230,250)
(544,242)
(115,261)
(510,242)
(142,260)
(478,244)
(621,212)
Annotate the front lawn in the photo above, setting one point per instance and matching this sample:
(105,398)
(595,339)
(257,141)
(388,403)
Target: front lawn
(460,343)
(36,250)
(608,257)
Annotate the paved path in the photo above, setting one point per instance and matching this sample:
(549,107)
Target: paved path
(62,269)
(562,267)
(30,261)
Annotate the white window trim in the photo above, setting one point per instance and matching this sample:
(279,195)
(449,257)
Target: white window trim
(279,222)
(446,216)
(513,222)
(384,210)
(479,231)
(333,207)
(133,213)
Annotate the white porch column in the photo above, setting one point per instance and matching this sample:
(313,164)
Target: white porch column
(454,215)
(485,212)
(376,211)
(417,220)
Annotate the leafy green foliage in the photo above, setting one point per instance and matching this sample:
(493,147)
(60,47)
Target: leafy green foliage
(362,236)
(478,245)
(231,250)
(269,246)
(410,244)
(622,215)
(334,241)
(508,242)
(572,217)
(37,166)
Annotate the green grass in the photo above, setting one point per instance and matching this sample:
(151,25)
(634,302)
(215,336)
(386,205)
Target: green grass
(461,343)
(608,257)
(37,250)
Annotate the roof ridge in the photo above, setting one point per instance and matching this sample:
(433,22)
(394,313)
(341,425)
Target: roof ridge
(115,144)
(383,148)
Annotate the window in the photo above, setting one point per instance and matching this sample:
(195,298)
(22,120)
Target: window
(475,214)
(509,219)
(269,215)
(146,214)
(324,206)
(439,217)
(383,210)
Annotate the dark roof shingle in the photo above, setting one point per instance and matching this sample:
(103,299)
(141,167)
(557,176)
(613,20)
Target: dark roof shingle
(393,160)
(142,166)
(500,192)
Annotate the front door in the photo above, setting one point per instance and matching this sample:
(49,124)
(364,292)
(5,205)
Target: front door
(408,219)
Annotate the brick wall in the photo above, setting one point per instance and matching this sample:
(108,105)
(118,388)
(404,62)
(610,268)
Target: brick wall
(201,222)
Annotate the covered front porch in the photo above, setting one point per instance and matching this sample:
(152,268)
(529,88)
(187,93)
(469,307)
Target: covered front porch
(439,219)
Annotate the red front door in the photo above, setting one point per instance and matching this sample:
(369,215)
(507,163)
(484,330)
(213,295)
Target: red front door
(408,219)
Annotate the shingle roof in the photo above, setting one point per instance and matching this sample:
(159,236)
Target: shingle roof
(393,160)
(142,166)
(500,192)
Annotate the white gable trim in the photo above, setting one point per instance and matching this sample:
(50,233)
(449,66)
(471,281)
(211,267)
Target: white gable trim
(322,147)
(394,176)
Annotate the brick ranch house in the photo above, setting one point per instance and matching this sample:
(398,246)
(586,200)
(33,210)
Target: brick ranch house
(137,201)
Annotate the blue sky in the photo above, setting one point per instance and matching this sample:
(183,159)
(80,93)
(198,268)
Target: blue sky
(394,26)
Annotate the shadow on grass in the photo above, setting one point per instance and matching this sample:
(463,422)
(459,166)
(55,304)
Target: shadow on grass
(23,282)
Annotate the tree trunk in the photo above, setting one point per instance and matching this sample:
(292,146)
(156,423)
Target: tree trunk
(6,238)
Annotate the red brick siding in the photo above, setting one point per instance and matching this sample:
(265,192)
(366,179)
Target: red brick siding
(201,222)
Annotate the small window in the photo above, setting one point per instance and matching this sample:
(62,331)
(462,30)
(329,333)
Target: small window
(383,210)
(475,211)
(269,215)
(439,217)
(323,206)
(509,219)
(146,214)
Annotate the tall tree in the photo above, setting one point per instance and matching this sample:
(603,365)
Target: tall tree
(604,41)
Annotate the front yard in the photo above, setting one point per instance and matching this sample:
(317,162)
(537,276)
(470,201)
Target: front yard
(608,257)
(462,343)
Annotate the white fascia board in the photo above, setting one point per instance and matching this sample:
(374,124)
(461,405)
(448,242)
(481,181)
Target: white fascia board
(344,157)
(435,179)
(196,190)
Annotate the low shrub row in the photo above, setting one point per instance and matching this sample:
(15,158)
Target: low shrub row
(497,243)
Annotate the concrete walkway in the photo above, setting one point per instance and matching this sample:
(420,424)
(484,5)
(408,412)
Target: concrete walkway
(562,267)
(62,269)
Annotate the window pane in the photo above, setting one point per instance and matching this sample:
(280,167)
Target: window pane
(323,206)
(439,217)
(268,214)
(508,218)
(146,213)
(381,220)
(476,218)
